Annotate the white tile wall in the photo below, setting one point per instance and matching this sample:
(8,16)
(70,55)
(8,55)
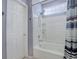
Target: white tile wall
(54,33)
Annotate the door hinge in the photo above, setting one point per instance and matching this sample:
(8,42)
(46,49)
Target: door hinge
(2,13)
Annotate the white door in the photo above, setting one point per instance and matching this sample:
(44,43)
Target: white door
(16,33)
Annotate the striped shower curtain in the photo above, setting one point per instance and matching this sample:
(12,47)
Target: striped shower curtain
(71,30)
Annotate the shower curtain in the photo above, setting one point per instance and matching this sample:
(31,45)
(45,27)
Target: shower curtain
(71,30)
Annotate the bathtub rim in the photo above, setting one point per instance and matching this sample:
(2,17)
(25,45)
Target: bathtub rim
(49,51)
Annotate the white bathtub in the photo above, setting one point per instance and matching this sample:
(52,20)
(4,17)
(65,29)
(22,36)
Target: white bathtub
(42,53)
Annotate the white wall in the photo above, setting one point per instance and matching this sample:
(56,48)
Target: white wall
(16,29)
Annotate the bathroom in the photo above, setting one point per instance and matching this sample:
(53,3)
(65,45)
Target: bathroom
(37,29)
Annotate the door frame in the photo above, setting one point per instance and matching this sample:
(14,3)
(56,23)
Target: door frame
(30,29)
(4,19)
